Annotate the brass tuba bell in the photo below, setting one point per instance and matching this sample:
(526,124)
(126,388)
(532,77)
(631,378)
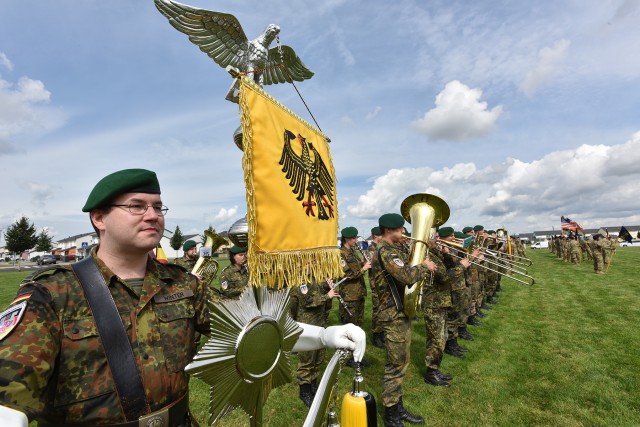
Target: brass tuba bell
(207,267)
(423,211)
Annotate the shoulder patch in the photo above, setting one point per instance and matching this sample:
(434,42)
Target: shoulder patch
(398,262)
(224,285)
(304,289)
(10,318)
(343,262)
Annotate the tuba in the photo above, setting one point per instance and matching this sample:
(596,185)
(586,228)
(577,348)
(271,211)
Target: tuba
(207,267)
(422,211)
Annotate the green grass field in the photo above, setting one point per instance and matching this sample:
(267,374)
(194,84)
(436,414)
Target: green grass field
(563,352)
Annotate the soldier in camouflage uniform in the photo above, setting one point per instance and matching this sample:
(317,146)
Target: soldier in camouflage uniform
(376,329)
(190,257)
(353,290)
(455,310)
(482,276)
(574,246)
(391,260)
(596,251)
(473,280)
(436,301)
(52,363)
(312,305)
(234,278)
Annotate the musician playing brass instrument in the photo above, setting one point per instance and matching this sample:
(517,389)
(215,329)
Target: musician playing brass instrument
(353,290)
(188,260)
(234,277)
(391,260)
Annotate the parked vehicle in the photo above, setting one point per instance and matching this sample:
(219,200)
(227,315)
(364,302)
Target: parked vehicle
(634,242)
(47,259)
(541,244)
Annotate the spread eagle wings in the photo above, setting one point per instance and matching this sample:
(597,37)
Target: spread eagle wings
(309,175)
(222,38)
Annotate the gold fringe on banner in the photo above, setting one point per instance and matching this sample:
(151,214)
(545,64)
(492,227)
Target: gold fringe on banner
(288,243)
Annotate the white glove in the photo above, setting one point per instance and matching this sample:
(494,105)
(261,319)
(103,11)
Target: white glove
(347,336)
(12,418)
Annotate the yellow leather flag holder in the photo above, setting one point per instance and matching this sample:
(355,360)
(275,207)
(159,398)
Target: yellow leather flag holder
(292,207)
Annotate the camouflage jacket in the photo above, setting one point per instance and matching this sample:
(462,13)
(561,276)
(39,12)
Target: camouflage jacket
(455,270)
(312,295)
(352,289)
(53,366)
(394,259)
(233,281)
(186,262)
(437,293)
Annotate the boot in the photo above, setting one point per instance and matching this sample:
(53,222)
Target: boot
(451,350)
(499,288)
(306,395)
(484,306)
(378,339)
(314,387)
(408,416)
(492,300)
(392,416)
(473,320)
(480,313)
(352,363)
(464,334)
(443,376)
(459,347)
(364,363)
(432,377)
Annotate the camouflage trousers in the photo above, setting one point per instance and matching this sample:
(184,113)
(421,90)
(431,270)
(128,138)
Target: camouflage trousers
(375,310)
(310,361)
(598,262)
(357,312)
(492,284)
(435,336)
(475,292)
(576,258)
(605,258)
(397,343)
(458,313)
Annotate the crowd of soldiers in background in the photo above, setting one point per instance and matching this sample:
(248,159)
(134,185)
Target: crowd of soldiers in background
(575,249)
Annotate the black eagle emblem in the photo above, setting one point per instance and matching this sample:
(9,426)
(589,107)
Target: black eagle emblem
(307,173)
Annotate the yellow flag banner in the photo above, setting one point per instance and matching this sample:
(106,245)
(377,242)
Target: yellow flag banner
(292,208)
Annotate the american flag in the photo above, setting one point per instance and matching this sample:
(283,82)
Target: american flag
(568,224)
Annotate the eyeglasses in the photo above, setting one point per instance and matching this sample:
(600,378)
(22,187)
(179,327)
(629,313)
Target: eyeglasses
(137,209)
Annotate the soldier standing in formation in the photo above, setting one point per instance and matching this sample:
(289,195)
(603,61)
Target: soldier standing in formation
(235,276)
(312,305)
(376,329)
(392,273)
(190,257)
(436,300)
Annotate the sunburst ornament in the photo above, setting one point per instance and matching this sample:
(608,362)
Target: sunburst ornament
(248,352)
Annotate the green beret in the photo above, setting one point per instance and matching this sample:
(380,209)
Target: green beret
(124,181)
(478,228)
(391,220)
(349,232)
(460,235)
(235,250)
(491,232)
(467,229)
(445,231)
(375,231)
(188,245)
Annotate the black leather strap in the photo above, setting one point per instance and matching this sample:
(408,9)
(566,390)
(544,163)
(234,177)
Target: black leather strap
(114,339)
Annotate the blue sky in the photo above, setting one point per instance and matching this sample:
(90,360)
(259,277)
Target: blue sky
(515,113)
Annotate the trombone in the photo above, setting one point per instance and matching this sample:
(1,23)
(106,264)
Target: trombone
(458,248)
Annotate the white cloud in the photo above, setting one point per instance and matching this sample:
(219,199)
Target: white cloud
(374,113)
(549,59)
(22,109)
(5,62)
(593,183)
(225,215)
(459,115)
